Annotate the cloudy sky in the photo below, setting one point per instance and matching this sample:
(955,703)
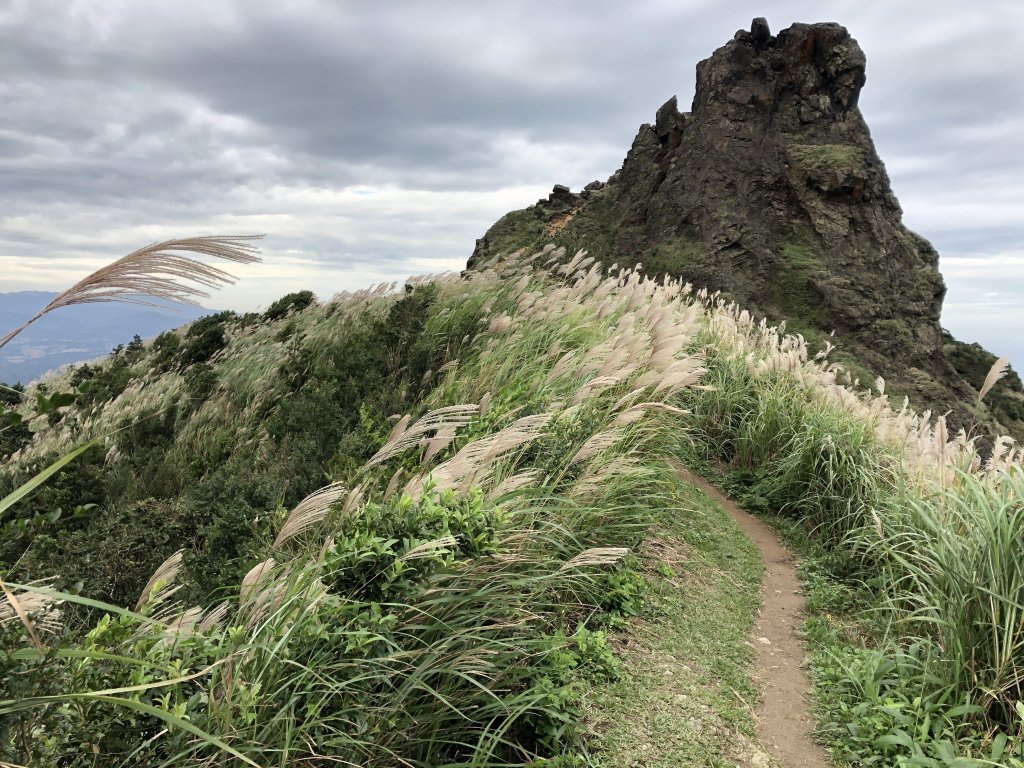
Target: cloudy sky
(373,140)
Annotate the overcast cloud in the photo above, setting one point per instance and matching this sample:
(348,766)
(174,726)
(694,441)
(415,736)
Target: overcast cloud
(373,140)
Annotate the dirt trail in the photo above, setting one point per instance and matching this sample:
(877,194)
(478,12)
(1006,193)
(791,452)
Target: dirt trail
(784,722)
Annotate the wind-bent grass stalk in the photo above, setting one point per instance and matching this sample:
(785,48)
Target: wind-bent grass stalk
(157,271)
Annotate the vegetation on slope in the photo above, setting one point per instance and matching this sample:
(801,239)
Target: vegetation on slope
(915,582)
(432,604)
(441,600)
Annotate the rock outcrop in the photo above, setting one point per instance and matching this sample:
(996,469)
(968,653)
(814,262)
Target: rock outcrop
(771,191)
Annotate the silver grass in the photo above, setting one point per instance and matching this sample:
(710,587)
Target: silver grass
(996,372)
(513,483)
(214,617)
(353,500)
(597,443)
(184,623)
(429,548)
(522,283)
(253,578)
(444,437)
(157,271)
(474,462)
(499,324)
(595,556)
(160,584)
(485,401)
(628,398)
(310,512)
(556,253)
(407,437)
(628,416)
(35,611)
(562,367)
(596,386)
(526,301)
(393,482)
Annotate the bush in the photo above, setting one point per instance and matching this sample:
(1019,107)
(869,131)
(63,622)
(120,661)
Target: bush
(292,302)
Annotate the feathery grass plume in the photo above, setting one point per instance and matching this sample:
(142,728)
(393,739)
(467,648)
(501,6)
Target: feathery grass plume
(485,401)
(183,623)
(556,253)
(597,443)
(392,485)
(353,500)
(522,283)
(35,611)
(599,384)
(310,511)
(996,372)
(252,579)
(474,462)
(514,483)
(156,271)
(562,367)
(407,437)
(635,412)
(595,556)
(444,437)
(499,324)
(214,617)
(161,584)
(429,548)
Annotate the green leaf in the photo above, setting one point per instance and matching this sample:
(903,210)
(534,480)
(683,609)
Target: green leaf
(20,493)
(898,738)
(998,746)
(957,713)
(62,399)
(146,709)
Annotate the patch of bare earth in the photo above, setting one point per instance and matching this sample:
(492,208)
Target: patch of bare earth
(784,721)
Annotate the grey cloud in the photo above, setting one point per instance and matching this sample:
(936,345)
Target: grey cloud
(123,118)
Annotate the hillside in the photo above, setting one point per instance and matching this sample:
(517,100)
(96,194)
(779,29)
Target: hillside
(460,585)
(76,335)
(770,190)
(494,519)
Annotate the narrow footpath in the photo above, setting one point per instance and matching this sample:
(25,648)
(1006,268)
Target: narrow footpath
(784,721)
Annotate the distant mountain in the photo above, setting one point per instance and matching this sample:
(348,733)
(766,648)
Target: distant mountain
(75,334)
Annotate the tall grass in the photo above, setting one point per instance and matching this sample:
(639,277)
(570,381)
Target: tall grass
(424,615)
(914,514)
(429,617)
(954,566)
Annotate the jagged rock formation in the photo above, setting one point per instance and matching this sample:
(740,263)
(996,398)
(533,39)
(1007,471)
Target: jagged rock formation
(771,191)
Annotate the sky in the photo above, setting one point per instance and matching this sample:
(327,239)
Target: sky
(370,141)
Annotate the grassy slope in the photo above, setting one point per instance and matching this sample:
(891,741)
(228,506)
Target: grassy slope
(684,694)
(790,439)
(440,615)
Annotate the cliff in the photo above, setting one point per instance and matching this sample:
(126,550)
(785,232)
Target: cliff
(770,190)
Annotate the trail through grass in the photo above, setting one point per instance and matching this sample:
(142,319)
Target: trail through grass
(684,695)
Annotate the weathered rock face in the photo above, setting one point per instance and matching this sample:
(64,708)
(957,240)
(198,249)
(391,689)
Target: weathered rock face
(771,191)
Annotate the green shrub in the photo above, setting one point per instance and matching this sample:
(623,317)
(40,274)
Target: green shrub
(292,302)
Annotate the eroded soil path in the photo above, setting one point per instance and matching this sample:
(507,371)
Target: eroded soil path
(784,722)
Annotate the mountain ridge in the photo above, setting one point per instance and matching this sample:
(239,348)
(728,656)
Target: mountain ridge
(770,190)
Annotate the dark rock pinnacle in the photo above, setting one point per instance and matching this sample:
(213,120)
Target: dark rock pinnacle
(770,190)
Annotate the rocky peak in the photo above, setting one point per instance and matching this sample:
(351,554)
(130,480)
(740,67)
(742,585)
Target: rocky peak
(811,71)
(771,191)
